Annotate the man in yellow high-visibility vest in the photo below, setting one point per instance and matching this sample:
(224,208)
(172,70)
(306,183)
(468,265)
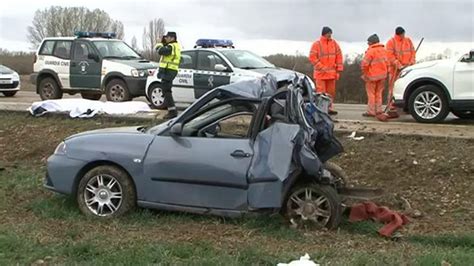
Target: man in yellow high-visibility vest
(170,52)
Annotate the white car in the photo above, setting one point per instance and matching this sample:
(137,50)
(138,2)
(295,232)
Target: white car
(9,81)
(430,90)
(91,64)
(209,66)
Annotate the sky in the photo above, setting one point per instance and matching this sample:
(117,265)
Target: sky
(269,27)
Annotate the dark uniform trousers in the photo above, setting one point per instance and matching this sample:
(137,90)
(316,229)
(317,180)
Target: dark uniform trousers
(167,76)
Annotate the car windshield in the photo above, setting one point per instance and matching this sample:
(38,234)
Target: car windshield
(246,60)
(115,49)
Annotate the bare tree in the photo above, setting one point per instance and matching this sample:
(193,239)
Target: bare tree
(134,43)
(64,21)
(152,34)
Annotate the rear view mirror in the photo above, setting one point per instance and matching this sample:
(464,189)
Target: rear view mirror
(220,67)
(93,57)
(176,129)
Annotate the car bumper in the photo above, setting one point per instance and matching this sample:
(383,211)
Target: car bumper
(136,86)
(15,86)
(61,173)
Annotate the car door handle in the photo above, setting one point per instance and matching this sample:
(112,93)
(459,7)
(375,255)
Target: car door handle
(240,154)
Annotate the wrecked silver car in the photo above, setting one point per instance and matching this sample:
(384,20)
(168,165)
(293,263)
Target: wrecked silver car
(248,147)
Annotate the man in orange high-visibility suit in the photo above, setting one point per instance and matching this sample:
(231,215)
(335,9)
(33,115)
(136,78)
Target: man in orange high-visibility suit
(326,57)
(374,68)
(401,54)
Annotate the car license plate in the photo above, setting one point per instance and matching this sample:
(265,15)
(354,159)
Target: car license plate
(6,81)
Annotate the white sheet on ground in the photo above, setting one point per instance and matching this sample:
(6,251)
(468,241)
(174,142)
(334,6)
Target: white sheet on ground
(303,261)
(87,108)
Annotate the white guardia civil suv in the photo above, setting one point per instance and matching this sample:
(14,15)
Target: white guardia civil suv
(430,90)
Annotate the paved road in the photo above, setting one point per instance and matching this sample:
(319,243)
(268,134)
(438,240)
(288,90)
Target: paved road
(346,111)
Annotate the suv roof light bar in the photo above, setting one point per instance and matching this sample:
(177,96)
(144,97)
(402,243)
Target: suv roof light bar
(91,34)
(213,43)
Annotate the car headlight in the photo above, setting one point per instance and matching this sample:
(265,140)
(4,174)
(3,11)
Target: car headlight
(404,72)
(16,77)
(60,149)
(138,73)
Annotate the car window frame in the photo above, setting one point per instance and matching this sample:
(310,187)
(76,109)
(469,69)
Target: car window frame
(249,130)
(90,47)
(194,67)
(229,69)
(70,49)
(216,105)
(43,45)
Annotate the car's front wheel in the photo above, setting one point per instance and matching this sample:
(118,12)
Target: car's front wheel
(106,191)
(428,104)
(117,91)
(314,205)
(155,96)
(464,114)
(9,93)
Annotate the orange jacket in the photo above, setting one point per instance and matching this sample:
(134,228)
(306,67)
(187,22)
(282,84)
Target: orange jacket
(326,57)
(375,63)
(401,51)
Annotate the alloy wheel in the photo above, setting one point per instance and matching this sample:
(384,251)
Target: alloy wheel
(307,204)
(103,195)
(427,105)
(157,97)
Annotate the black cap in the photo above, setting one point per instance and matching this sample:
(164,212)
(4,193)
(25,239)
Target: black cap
(373,39)
(399,30)
(171,34)
(326,30)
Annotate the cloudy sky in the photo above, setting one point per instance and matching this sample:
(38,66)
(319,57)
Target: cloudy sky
(272,26)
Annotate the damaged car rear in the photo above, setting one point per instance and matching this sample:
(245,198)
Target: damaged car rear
(249,147)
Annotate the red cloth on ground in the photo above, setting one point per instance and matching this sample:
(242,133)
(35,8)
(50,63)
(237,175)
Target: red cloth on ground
(368,210)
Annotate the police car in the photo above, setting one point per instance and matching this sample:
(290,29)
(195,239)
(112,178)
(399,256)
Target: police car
(90,64)
(210,64)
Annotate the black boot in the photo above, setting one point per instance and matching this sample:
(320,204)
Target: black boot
(171,114)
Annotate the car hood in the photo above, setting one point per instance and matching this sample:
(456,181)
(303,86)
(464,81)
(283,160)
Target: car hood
(430,64)
(6,71)
(136,63)
(108,131)
(279,73)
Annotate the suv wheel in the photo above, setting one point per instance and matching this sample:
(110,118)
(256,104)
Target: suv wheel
(156,96)
(117,91)
(428,104)
(9,93)
(106,191)
(464,114)
(49,89)
(91,95)
(314,205)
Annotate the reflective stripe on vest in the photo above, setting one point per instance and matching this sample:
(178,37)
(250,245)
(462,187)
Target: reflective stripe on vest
(172,61)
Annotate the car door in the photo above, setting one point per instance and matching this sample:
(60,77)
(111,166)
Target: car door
(84,70)
(207,77)
(183,84)
(62,54)
(200,171)
(463,83)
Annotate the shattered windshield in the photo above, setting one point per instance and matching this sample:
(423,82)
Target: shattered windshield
(115,49)
(246,60)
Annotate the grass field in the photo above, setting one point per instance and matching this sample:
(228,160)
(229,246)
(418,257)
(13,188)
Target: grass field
(38,226)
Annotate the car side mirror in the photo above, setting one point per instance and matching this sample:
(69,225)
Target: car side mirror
(94,57)
(471,55)
(176,129)
(220,67)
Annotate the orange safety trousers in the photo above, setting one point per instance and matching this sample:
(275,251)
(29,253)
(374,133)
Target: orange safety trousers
(393,76)
(374,95)
(327,86)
